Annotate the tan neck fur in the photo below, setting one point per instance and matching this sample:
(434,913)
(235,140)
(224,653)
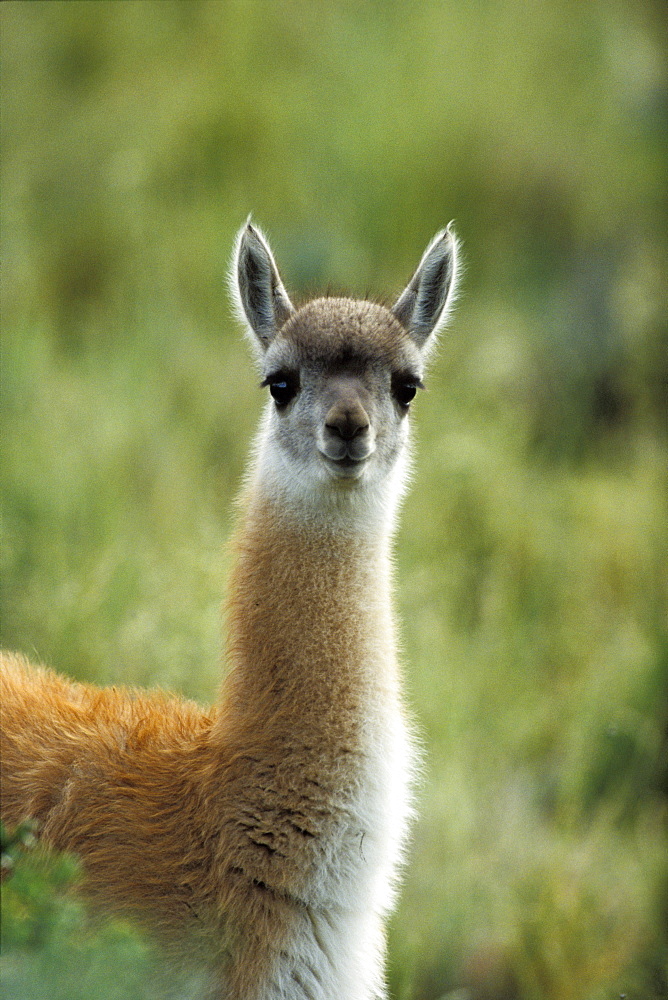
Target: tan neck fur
(309,623)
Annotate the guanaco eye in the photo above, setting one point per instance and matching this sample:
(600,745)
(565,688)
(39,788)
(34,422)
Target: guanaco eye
(404,389)
(283,387)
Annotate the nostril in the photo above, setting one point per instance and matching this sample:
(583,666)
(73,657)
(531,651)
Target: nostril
(345,430)
(347,424)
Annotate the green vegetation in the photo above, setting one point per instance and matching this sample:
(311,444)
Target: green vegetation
(53,949)
(532,562)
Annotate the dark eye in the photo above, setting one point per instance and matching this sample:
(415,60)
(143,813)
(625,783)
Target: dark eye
(283,387)
(404,389)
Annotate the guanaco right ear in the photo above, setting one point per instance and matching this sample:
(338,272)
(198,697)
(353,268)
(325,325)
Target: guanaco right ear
(423,306)
(257,287)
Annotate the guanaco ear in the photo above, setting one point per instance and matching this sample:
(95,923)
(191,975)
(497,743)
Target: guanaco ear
(257,288)
(423,306)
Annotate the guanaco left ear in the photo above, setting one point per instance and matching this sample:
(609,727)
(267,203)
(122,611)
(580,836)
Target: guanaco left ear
(423,306)
(257,286)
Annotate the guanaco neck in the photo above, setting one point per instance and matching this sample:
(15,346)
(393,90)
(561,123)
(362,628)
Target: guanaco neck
(310,630)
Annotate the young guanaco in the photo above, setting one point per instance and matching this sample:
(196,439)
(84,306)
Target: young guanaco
(261,839)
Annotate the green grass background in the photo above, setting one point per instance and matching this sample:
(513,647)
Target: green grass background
(532,560)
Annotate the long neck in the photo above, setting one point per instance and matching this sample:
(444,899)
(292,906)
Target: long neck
(311,638)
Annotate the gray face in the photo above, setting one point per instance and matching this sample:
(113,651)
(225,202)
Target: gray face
(342,375)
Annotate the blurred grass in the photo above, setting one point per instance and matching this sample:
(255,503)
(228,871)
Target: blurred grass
(532,561)
(51,947)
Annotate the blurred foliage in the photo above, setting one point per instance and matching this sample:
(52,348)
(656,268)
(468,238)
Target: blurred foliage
(532,563)
(50,946)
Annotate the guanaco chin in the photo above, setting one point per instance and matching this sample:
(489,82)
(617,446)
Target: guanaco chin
(260,840)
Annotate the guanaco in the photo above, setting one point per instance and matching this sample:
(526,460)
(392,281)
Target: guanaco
(262,839)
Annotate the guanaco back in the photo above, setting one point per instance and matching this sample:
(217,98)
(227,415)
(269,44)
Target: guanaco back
(261,840)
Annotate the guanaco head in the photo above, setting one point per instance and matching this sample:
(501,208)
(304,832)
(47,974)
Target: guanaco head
(341,373)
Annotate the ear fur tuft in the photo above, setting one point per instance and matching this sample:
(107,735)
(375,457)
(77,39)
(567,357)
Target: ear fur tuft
(259,297)
(426,302)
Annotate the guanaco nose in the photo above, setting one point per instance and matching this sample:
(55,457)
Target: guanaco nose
(347,418)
